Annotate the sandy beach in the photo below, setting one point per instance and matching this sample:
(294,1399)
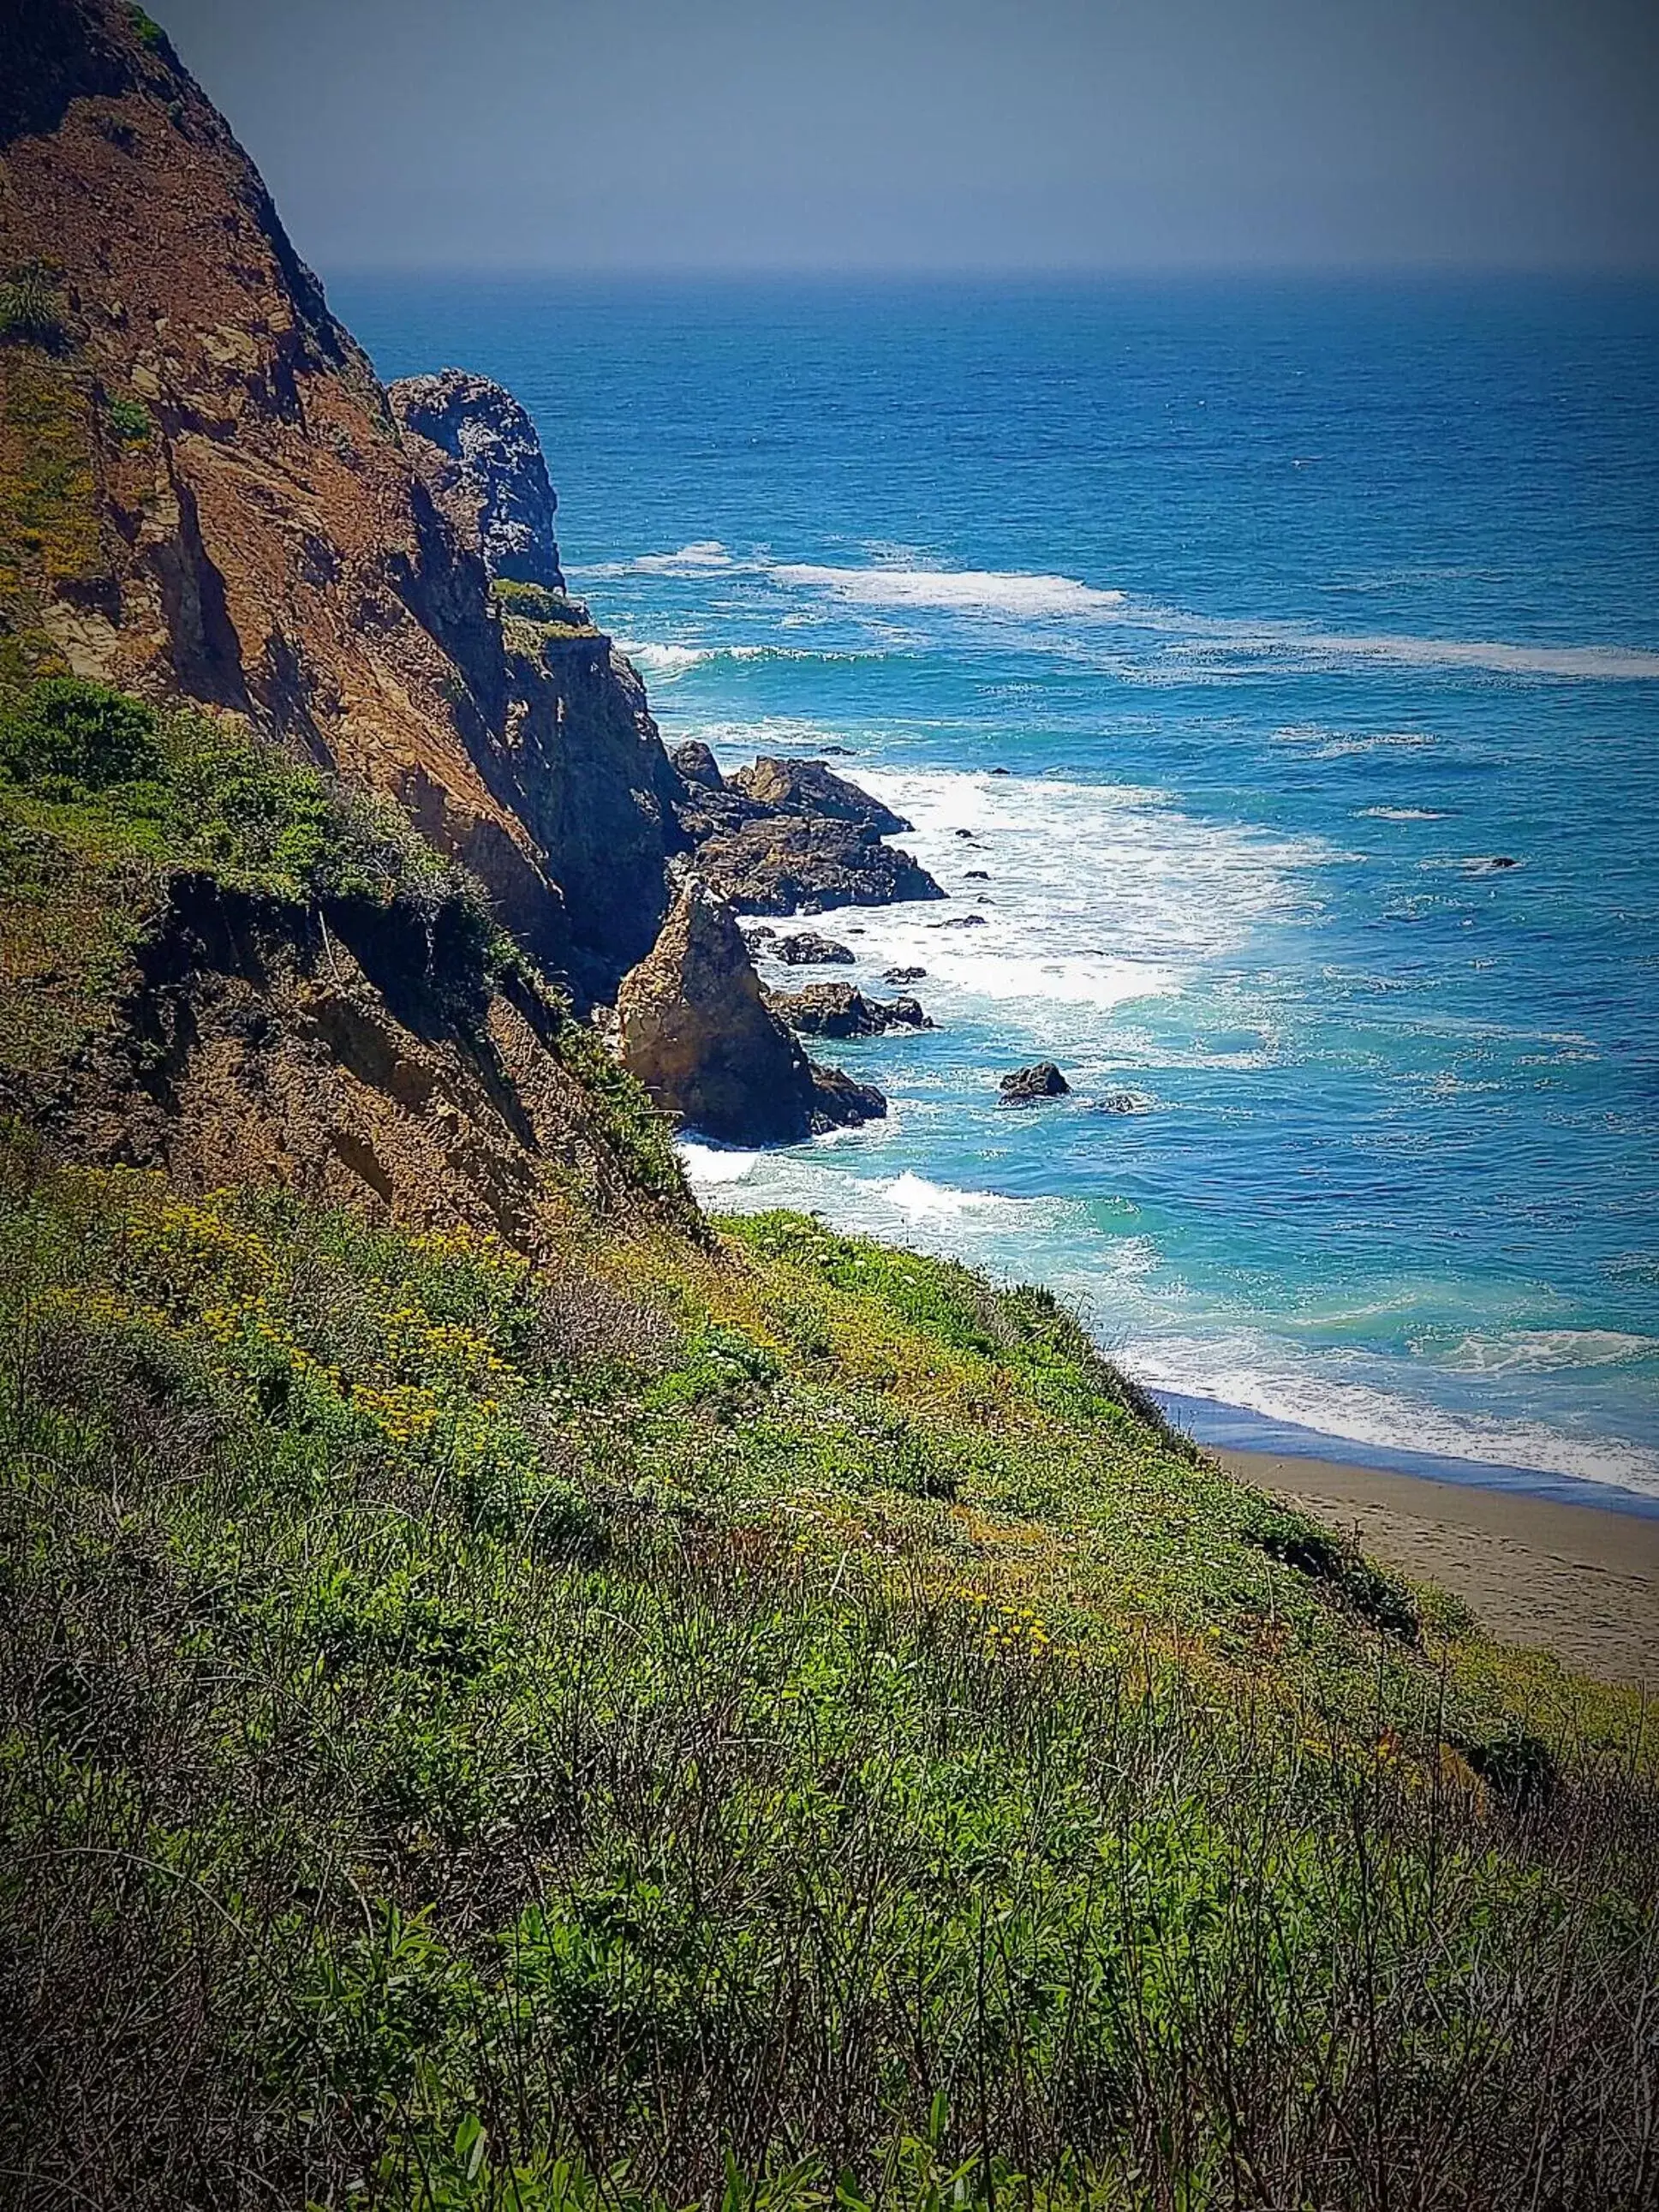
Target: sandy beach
(1571,1579)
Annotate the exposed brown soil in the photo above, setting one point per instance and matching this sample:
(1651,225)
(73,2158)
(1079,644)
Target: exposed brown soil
(255,1043)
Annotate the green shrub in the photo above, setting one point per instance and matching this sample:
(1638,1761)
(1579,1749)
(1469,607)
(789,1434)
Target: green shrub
(535,602)
(235,802)
(31,308)
(130,419)
(145,28)
(67,732)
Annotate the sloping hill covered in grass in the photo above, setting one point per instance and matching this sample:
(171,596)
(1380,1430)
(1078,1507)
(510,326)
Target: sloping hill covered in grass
(769,1720)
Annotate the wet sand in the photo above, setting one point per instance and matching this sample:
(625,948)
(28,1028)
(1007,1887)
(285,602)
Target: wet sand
(1572,1579)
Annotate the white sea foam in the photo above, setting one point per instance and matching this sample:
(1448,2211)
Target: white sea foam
(664,660)
(964,590)
(1098,895)
(1400,814)
(703,554)
(1548,1351)
(906,1208)
(1189,638)
(715,1166)
(1274,1380)
(1247,641)
(919,1199)
(667,659)
(1341,744)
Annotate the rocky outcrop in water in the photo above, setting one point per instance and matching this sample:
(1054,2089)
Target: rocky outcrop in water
(1042,1080)
(808,788)
(790,864)
(792,837)
(695,1029)
(806,949)
(494,484)
(840,1010)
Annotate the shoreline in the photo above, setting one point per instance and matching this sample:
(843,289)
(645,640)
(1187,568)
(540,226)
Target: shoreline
(1571,1578)
(1226,1430)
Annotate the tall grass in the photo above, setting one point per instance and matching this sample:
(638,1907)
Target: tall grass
(431,1777)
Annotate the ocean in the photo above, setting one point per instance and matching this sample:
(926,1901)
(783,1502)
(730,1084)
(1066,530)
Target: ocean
(1289,654)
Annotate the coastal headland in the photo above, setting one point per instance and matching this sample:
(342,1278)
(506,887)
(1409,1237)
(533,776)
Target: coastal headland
(518,1694)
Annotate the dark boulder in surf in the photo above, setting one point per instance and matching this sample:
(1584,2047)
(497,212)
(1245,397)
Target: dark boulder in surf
(1041,1080)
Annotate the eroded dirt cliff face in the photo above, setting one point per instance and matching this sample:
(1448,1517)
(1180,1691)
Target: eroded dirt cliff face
(204,490)
(253,1041)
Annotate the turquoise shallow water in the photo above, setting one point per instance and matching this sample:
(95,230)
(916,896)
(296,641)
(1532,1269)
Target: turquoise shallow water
(1288,611)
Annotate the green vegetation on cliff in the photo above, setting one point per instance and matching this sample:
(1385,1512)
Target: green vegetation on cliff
(104,801)
(770,1722)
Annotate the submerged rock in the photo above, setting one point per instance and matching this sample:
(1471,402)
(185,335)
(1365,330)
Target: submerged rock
(1041,1080)
(806,949)
(695,1030)
(840,1010)
(498,473)
(904,975)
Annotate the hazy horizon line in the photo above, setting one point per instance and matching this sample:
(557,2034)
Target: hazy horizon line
(1612,272)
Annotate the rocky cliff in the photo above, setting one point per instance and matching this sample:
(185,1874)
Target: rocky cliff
(492,480)
(208,500)
(695,1030)
(205,490)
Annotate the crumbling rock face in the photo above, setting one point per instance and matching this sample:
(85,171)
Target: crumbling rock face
(205,492)
(696,1031)
(492,480)
(338,1060)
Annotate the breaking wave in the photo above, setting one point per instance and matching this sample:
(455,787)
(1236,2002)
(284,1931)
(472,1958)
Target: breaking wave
(966,590)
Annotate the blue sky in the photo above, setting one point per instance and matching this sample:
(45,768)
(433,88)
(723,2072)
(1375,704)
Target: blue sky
(872,134)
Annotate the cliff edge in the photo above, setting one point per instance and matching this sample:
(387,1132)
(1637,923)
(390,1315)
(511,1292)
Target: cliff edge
(205,492)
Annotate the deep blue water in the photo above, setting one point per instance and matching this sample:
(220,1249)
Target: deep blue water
(1288,611)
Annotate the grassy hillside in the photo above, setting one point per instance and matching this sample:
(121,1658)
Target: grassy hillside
(771,1722)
